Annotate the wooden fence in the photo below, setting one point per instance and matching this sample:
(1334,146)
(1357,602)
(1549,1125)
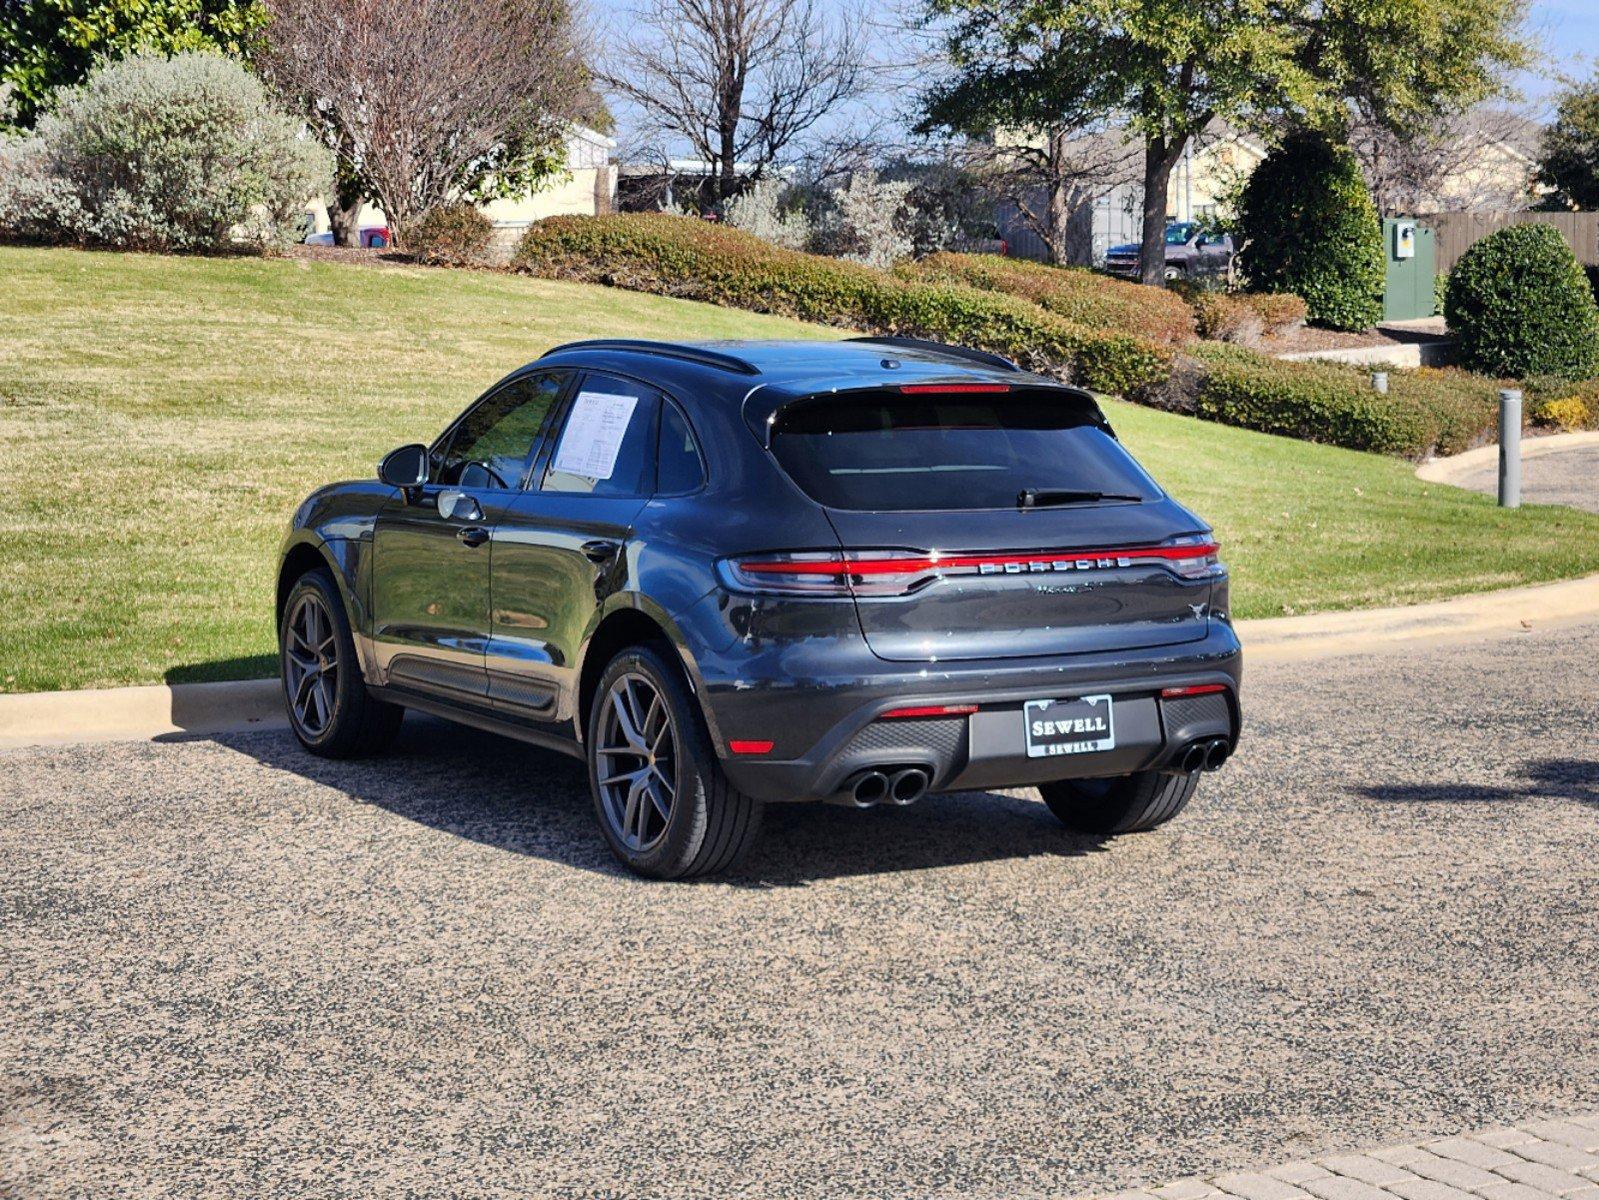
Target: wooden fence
(1457,231)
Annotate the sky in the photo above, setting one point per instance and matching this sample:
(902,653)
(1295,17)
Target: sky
(1570,33)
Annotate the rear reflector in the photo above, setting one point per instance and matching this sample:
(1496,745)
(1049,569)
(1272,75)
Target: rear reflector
(1199,689)
(929,710)
(750,747)
(952,389)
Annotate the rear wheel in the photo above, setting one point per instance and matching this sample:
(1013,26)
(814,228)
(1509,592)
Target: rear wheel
(330,710)
(660,796)
(1127,804)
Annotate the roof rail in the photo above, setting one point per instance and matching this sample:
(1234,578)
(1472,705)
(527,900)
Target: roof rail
(694,354)
(977,356)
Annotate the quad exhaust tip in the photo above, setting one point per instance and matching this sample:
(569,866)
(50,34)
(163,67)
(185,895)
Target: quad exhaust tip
(1207,754)
(888,785)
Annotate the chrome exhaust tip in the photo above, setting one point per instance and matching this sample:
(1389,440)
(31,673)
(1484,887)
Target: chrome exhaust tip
(907,786)
(871,788)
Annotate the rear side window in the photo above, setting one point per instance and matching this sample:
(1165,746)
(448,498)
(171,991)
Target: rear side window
(907,453)
(678,467)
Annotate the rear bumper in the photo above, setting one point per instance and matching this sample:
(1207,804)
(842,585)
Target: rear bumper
(826,731)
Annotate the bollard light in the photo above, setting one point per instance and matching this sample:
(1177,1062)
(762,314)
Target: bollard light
(1379,382)
(1510,448)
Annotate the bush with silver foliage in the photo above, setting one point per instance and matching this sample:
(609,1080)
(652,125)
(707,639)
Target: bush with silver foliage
(153,153)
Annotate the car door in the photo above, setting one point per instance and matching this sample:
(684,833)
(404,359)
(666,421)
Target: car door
(560,548)
(431,549)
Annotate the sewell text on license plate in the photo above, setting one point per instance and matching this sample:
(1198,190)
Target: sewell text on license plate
(1085,725)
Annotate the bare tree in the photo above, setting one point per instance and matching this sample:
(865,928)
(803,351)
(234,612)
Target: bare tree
(738,81)
(1054,176)
(424,101)
(1481,160)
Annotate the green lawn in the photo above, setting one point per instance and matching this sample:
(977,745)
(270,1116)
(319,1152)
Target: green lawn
(160,418)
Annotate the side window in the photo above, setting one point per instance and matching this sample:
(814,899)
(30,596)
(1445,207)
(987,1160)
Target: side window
(607,442)
(678,467)
(493,443)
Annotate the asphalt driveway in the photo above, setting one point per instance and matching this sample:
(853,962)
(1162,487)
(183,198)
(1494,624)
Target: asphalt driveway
(227,969)
(1567,476)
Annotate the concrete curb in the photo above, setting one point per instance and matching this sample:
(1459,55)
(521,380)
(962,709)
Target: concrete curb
(1513,610)
(208,709)
(1456,466)
(140,713)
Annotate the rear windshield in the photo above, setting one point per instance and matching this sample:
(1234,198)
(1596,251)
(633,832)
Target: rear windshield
(909,453)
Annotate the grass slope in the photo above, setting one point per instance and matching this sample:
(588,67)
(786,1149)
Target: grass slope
(160,419)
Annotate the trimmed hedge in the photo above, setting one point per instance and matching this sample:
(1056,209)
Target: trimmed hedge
(1310,228)
(1424,411)
(697,260)
(1086,297)
(1519,304)
(1246,317)
(451,235)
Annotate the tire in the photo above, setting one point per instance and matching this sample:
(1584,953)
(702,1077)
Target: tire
(342,719)
(1127,804)
(708,824)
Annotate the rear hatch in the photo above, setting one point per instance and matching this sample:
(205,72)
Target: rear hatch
(990,521)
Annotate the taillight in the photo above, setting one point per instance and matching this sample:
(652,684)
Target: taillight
(900,572)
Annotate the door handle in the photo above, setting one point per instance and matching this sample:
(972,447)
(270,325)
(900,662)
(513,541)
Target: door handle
(473,535)
(600,551)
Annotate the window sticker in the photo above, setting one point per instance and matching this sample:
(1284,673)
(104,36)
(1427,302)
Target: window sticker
(593,435)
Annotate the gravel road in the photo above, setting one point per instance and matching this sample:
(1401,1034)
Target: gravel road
(227,969)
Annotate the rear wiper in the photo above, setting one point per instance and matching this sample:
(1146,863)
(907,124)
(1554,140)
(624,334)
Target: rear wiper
(1045,497)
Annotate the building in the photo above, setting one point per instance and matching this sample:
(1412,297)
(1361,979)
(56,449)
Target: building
(587,187)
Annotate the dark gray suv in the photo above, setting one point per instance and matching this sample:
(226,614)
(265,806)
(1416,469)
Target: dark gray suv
(731,574)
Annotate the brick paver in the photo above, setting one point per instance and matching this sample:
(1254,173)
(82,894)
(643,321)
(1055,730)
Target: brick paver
(1538,1160)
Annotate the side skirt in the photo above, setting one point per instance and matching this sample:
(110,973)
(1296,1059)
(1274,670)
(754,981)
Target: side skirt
(480,719)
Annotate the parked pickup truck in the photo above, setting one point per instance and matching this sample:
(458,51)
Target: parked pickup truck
(1192,251)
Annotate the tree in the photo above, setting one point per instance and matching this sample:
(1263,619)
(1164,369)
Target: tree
(1569,156)
(1447,165)
(1310,229)
(1031,123)
(741,82)
(50,44)
(428,101)
(1169,68)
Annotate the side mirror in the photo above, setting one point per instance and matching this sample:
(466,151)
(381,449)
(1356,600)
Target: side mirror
(405,468)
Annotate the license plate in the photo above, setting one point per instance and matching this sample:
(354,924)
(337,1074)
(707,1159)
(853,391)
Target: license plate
(1085,725)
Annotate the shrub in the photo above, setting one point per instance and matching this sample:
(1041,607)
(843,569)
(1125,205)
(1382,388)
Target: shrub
(153,153)
(1310,228)
(699,261)
(1423,411)
(1519,304)
(871,221)
(1565,413)
(1246,318)
(453,235)
(1086,297)
(759,211)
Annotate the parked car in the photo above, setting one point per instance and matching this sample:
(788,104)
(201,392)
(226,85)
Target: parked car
(728,575)
(373,237)
(1192,251)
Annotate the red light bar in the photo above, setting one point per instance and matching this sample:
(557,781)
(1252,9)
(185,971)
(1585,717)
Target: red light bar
(952,389)
(750,747)
(929,710)
(1198,689)
(907,566)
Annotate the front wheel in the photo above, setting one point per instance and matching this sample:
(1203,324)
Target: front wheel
(330,710)
(1126,804)
(660,796)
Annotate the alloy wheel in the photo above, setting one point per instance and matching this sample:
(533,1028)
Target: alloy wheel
(311,665)
(636,762)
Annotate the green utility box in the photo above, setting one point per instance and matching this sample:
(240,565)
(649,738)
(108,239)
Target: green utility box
(1412,254)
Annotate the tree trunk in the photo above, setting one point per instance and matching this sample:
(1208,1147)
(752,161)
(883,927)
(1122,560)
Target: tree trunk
(1057,219)
(344,212)
(1160,156)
